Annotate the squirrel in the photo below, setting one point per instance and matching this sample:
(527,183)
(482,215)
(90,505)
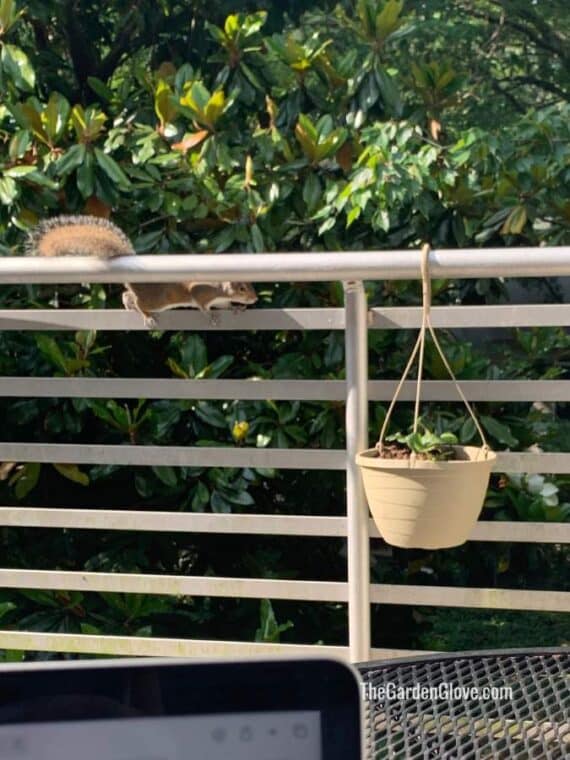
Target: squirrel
(93,236)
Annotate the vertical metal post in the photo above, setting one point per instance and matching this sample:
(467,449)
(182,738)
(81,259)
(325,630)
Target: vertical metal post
(356,358)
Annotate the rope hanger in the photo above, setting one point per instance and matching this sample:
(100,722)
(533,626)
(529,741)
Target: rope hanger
(420,346)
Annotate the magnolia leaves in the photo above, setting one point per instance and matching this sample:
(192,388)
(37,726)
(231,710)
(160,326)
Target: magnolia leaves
(319,141)
(203,107)
(15,66)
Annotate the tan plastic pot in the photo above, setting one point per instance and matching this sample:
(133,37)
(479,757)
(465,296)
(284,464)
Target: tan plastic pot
(426,505)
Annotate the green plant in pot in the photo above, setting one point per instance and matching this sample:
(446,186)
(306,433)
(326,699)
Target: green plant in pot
(424,444)
(424,490)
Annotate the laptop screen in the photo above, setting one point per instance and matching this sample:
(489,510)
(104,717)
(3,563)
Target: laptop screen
(280,735)
(273,710)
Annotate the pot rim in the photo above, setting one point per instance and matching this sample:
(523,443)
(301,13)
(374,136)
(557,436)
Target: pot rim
(369,459)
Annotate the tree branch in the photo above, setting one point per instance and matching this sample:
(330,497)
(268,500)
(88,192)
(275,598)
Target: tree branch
(122,44)
(509,96)
(542,83)
(546,40)
(82,50)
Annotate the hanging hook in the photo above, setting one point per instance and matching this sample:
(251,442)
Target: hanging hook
(426,281)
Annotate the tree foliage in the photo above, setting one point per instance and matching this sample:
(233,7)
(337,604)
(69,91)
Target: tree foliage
(272,126)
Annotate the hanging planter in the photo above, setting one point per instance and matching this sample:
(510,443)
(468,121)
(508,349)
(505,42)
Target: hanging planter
(429,493)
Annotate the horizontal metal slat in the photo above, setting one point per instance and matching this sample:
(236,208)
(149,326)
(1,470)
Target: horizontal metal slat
(136,646)
(80,387)
(261,588)
(175,456)
(489,317)
(133,646)
(180,456)
(475,390)
(251,524)
(290,390)
(521,532)
(180,319)
(177,522)
(555,463)
(480,598)
(389,318)
(175,585)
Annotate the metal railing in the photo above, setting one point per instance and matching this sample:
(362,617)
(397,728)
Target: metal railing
(355,319)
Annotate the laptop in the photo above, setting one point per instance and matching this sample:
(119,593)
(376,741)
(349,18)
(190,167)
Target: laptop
(298,709)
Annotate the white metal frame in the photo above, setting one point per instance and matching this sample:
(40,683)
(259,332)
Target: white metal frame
(355,319)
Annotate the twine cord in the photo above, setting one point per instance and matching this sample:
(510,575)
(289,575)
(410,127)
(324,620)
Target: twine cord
(420,347)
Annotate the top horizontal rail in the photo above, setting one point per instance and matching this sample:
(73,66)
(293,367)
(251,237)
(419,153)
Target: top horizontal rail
(281,267)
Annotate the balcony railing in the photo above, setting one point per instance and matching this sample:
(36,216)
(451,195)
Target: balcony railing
(355,320)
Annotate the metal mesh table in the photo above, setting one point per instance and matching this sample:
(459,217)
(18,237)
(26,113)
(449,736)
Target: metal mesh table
(476,705)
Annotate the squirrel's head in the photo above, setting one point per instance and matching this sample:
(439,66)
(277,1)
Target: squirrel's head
(240,292)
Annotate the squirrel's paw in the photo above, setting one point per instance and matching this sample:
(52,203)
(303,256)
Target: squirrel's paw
(238,307)
(129,301)
(214,319)
(150,322)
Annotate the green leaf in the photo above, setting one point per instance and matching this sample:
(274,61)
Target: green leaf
(70,160)
(45,598)
(88,123)
(216,368)
(19,171)
(31,174)
(198,96)
(389,92)
(215,107)
(5,608)
(8,15)
(388,20)
(242,498)
(17,66)
(312,191)
(515,222)
(164,104)
(499,431)
(51,350)
(220,504)
(13,655)
(210,414)
(55,116)
(112,169)
(26,479)
(194,354)
(90,630)
(449,438)
(86,176)
(269,630)
(8,190)
(100,88)
(307,138)
(257,239)
(467,431)
(201,498)
(166,475)
(72,472)
(20,143)
(176,369)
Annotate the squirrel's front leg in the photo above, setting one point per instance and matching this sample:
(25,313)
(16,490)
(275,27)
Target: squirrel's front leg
(214,318)
(130,303)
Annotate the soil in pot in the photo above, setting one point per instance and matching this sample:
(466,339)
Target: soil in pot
(400,451)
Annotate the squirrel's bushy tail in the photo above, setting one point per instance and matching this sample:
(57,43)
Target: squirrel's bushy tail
(78,236)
